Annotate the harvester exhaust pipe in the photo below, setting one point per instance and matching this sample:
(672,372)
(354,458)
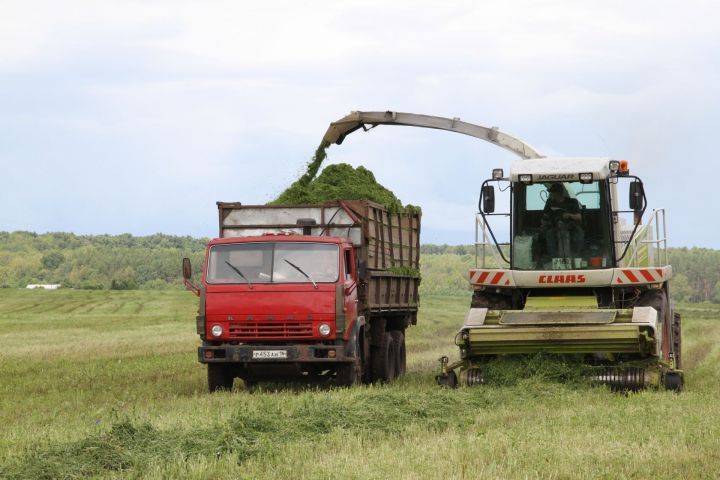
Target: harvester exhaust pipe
(627,379)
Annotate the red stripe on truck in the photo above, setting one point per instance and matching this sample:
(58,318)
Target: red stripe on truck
(496,278)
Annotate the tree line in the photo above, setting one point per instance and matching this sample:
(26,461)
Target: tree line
(125,261)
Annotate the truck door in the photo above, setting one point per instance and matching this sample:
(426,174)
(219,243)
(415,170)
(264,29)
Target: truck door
(350,283)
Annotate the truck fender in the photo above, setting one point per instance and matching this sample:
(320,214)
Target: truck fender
(352,343)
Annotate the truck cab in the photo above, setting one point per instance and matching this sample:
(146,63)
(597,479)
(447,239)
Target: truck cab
(307,293)
(283,298)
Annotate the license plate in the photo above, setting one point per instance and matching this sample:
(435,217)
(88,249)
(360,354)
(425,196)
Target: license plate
(269,353)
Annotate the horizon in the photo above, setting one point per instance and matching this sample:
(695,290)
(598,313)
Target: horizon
(211,238)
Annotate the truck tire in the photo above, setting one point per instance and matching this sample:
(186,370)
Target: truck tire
(350,373)
(383,359)
(400,358)
(220,377)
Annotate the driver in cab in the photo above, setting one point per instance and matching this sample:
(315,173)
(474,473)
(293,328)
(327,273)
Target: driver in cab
(561,222)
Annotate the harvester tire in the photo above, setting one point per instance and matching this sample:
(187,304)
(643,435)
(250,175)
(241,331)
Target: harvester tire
(447,380)
(673,380)
(400,358)
(383,359)
(677,339)
(490,300)
(220,377)
(658,300)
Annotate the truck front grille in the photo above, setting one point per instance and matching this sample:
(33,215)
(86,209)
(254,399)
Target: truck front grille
(272,329)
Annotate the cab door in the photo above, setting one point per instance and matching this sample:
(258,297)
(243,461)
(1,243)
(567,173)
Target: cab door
(350,304)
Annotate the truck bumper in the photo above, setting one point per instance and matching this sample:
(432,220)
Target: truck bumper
(272,354)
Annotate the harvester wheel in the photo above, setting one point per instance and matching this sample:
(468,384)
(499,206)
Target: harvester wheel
(658,300)
(491,301)
(220,377)
(400,359)
(447,380)
(677,339)
(673,380)
(383,359)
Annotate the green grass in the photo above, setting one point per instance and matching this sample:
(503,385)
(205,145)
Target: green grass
(106,384)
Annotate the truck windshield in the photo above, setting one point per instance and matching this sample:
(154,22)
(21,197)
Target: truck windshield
(273,263)
(561,226)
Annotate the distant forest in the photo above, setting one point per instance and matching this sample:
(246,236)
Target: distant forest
(122,262)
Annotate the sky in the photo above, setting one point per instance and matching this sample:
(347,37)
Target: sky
(137,116)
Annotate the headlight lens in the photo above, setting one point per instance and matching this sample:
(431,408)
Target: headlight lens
(216,330)
(324,329)
(586,177)
(525,178)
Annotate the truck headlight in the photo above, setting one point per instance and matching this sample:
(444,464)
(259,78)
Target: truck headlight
(216,330)
(586,177)
(324,329)
(525,178)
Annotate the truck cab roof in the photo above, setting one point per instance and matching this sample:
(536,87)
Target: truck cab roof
(277,237)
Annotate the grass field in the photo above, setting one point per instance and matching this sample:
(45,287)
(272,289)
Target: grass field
(106,384)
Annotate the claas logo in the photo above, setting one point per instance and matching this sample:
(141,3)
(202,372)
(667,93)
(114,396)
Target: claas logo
(561,279)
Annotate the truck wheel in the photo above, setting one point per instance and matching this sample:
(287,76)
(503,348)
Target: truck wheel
(383,359)
(220,377)
(677,339)
(348,374)
(400,359)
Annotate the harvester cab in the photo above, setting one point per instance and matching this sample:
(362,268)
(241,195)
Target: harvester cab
(568,267)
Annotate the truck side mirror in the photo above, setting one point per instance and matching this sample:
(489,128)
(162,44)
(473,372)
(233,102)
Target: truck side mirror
(488,199)
(636,196)
(186,268)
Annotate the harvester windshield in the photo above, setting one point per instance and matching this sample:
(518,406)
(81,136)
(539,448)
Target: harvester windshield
(561,226)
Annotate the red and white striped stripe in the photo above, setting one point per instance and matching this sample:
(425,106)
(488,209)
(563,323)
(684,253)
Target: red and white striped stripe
(625,276)
(500,278)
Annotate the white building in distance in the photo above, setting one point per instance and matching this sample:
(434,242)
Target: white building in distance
(48,286)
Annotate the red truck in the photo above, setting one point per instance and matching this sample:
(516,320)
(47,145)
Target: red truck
(313,292)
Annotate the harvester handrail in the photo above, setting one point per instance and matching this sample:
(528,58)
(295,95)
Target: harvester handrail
(656,223)
(482,245)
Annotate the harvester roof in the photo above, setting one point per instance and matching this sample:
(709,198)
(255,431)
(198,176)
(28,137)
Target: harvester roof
(559,168)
